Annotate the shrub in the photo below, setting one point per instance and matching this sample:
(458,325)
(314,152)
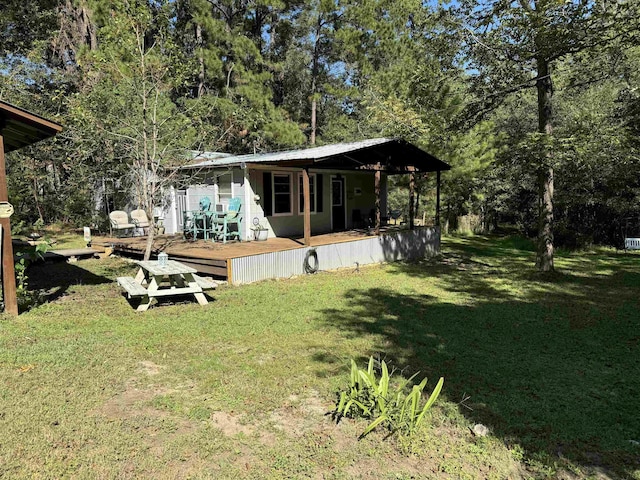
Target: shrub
(399,408)
(25,298)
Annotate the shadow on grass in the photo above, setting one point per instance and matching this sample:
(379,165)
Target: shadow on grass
(158,302)
(549,362)
(53,280)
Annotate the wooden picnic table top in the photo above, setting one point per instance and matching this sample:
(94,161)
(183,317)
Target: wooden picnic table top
(171,268)
(148,283)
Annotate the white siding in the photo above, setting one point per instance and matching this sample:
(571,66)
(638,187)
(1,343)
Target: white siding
(195,193)
(287,225)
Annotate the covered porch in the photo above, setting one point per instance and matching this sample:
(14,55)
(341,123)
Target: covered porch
(19,128)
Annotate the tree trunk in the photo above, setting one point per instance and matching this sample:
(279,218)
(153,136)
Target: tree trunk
(76,31)
(312,137)
(314,80)
(89,27)
(544,257)
(36,188)
(438,199)
(150,237)
(200,61)
(412,188)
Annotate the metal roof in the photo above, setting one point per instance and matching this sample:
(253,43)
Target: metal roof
(20,128)
(362,155)
(204,156)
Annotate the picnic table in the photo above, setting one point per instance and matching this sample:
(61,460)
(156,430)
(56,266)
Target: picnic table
(155,280)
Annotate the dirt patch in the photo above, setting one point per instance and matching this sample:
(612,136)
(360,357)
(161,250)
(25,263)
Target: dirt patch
(131,403)
(150,368)
(393,464)
(133,407)
(288,420)
(301,415)
(265,358)
(458,262)
(230,424)
(134,401)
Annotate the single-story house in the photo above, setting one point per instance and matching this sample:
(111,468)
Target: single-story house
(302,192)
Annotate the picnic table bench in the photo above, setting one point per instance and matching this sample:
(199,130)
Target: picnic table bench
(133,288)
(152,279)
(205,283)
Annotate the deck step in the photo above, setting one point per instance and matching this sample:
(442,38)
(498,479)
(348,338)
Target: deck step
(133,288)
(205,283)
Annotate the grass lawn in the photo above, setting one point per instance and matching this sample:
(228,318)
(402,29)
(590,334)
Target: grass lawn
(240,388)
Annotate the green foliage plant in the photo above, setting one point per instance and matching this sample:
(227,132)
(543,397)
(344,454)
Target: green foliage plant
(21,266)
(399,409)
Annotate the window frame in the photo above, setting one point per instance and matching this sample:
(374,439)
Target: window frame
(273,194)
(226,196)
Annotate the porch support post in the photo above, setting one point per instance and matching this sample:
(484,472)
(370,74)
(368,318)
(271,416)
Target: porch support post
(438,198)
(244,229)
(306,194)
(412,198)
(8,268)
(378,178)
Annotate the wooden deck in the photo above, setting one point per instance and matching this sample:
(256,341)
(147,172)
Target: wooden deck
(214,258)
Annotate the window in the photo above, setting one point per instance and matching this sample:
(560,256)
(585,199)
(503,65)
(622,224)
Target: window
(225,188)
(282,194)
(312,192)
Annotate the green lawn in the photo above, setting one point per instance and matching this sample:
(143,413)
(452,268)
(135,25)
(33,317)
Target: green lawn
(240,388)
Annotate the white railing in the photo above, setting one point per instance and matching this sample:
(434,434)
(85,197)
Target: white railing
(632,243)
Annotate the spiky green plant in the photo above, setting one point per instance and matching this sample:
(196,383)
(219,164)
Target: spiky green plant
(370,397)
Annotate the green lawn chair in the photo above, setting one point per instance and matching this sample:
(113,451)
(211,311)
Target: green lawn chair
(203,219)
(223,221)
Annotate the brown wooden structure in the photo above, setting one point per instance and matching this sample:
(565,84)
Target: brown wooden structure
(18,128)
(282,257)
(213,258)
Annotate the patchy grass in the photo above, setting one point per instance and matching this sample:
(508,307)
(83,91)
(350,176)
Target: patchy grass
(240,388)
(64,238)
(57,236)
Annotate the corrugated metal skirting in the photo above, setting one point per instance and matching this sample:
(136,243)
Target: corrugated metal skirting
(390,247)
